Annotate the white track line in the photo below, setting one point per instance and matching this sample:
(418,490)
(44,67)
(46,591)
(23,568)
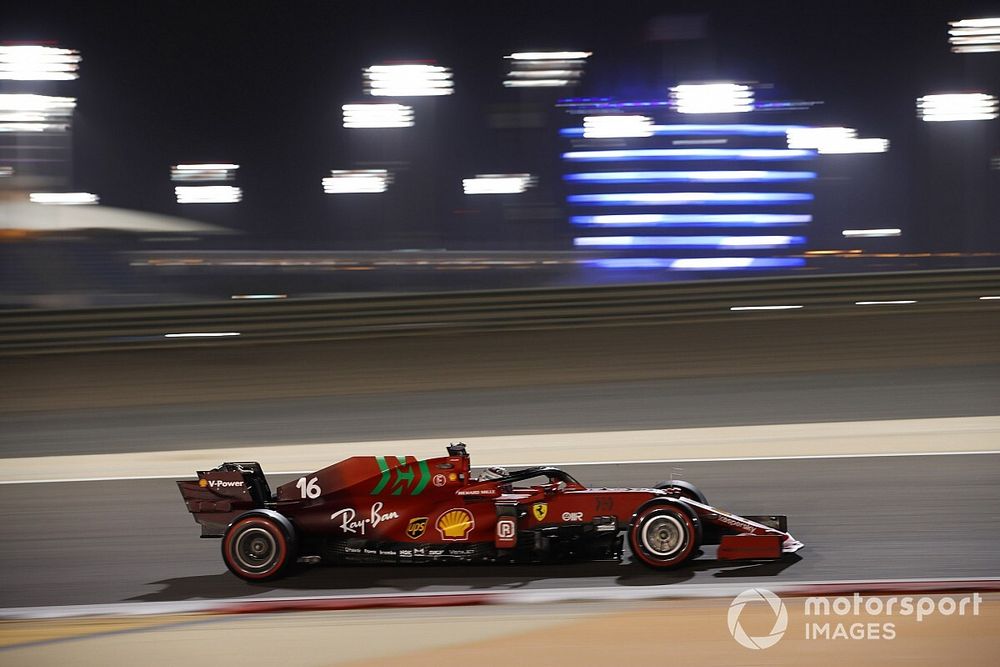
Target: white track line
(189,475)
(517,596)
(907,437)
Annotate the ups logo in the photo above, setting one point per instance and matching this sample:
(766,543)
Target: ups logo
(416,527)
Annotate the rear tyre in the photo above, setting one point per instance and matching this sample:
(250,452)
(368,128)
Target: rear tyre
(663,536)
(256,548)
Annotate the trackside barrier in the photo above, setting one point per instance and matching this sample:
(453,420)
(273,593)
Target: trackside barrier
(301,320)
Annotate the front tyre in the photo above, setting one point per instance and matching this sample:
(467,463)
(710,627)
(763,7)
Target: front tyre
(662,536)
(684,490)
(256,548)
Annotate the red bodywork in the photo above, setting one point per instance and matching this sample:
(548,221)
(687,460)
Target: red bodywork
(400,509)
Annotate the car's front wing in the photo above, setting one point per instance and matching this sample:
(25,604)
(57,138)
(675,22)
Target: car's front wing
(763,537)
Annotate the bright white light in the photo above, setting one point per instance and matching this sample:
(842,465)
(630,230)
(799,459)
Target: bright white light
(6,171)
(814,137)
(38,63)
(550,55)
(830,140)
(24,116)
(977,23)
(544,74)
(713,263)
(33,127)
(497,184)
(692,219)
(977,48)
(712,98)
(883,303)
(852,146)
(63,198)
(609,127)
(538,83)
(751,241)
(259,296)
(729,176)
(45,104)
(871,233)
(357,181)
(644,154)
(545,69)
(765,307)
(975,35)
(682,198)
(203,172)
(686,241)
(208,194)
(220,334)
(22,112)
(223,166)
(957,106)
(408,80)
(377,115)
(989,298)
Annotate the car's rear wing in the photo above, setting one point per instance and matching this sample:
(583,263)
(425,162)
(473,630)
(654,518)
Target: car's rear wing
(223,493)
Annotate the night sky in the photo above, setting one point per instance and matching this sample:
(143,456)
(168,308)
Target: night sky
(261,83)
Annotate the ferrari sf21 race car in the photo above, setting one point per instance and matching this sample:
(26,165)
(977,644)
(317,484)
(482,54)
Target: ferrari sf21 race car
(396,509)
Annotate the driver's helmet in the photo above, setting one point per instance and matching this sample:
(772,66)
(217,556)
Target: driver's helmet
(493,472)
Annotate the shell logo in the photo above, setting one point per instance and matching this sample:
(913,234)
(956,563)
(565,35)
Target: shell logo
(203,482)
(455,524)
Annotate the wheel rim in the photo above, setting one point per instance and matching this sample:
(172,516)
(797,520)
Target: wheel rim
(255,549)
(663,535)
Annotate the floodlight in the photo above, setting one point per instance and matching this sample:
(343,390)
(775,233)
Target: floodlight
(497,184)
(957,106)
(712,98)
(377,115)
(203,172)
(31,62)
(357,181)
(617,126)
(545,69)
(408,80)
(975,35)
(208,194)
(63,198)
(25,112)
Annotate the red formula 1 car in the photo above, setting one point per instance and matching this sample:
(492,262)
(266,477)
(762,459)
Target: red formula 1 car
(395,509)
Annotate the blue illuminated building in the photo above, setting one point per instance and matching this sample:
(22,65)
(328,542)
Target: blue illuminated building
(689,196)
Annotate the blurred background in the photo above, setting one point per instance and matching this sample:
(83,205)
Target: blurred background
(180,151)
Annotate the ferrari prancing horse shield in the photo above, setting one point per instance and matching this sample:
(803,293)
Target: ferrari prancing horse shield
(540,510)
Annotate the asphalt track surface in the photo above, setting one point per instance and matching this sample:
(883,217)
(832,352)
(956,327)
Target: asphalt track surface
(861,518)
(936,391)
